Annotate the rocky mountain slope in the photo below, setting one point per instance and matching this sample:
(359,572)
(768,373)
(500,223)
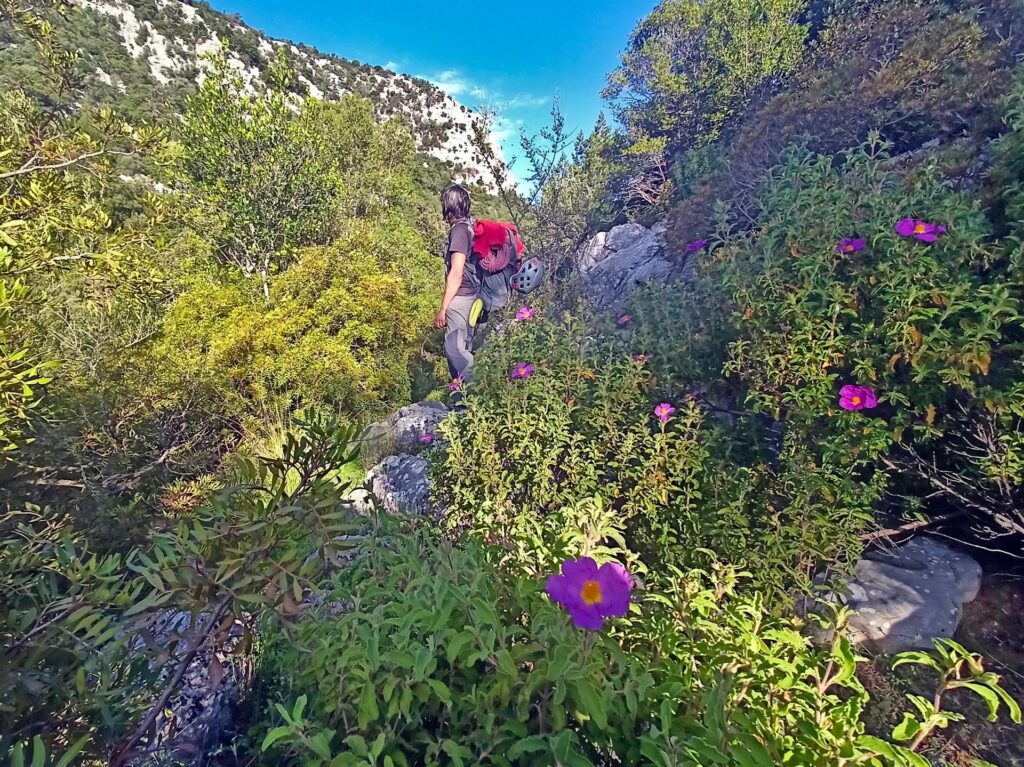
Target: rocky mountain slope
(146,55)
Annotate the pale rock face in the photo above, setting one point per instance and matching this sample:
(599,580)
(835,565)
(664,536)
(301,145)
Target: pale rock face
(166,57)
(612,263)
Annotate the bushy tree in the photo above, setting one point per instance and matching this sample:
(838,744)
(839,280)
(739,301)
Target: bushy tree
(52,217)
(691,65)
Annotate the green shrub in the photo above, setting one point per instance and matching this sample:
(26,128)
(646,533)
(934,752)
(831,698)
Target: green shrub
(86,652)
(932,327)
(336,331)
(427,653)
(583,426)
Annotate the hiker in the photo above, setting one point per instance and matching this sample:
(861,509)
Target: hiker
(462,282)
(483,265)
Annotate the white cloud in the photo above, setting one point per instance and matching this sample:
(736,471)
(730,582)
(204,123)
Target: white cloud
(525,100)
(455,84)
(393,66)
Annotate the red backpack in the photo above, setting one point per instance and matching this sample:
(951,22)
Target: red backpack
(496,245)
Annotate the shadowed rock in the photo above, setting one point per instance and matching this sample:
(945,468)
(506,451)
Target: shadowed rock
(401,485)
(906,597)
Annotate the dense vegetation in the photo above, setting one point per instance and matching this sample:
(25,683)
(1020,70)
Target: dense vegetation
(185,358)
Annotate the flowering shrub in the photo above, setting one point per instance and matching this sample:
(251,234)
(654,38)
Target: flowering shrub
(521,371)
(924,321)
(919,230)
(681,482)
(851,245)
(664,412)
(427,653)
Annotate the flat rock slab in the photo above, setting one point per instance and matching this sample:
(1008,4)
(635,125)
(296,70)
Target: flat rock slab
(904,598)
(401,485)
(401,432)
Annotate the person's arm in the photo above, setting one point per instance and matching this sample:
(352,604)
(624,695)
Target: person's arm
(451,287)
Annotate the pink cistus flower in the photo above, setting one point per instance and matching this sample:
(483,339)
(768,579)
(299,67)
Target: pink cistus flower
(624,320)
(920,230)
(852,397)
(521,371)
(456,384)
(590,593)
(427,439)
(693,247)
(664,412)
(526,313)
(851,245)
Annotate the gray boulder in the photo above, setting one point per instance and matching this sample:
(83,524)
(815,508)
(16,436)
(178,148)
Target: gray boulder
(401,485)
(905,597)
(612,262)
(401,433)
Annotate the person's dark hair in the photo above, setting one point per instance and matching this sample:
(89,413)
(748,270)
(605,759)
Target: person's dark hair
(455,202)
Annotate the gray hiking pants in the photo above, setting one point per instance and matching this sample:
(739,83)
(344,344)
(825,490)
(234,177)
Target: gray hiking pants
(458,336)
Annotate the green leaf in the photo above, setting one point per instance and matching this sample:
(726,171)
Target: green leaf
(38,752)
(592,704)
(275,735)
(368,711)
(908,728)
(530,745)
(653,752)
(73,750)
(441,691)
(987,694)
(358,745)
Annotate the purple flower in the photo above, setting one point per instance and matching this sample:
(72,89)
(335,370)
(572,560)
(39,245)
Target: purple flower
(851,245)
(641,358)
(526,313)
(521,371)
(624,320)
(664,412)
(427,439)
(920,230)
(853,397)
(591,593)
(456,383)
(693,247)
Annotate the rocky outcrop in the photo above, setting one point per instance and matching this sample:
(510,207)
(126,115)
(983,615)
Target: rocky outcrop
(906,597)
(612,262)
(202,712)
(402,432)
(401,485)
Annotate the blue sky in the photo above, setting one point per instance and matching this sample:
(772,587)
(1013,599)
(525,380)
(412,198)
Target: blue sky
(514,55)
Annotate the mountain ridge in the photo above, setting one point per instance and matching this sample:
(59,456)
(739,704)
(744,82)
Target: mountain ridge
(166,41)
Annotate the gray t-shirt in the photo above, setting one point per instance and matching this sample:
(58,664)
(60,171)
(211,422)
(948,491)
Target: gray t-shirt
(460,240)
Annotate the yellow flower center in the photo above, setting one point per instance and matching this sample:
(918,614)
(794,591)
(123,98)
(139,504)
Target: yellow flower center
(920,229)
(855,400)
(591,592)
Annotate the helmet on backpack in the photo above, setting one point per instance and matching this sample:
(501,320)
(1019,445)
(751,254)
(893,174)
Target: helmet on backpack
(529,276)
